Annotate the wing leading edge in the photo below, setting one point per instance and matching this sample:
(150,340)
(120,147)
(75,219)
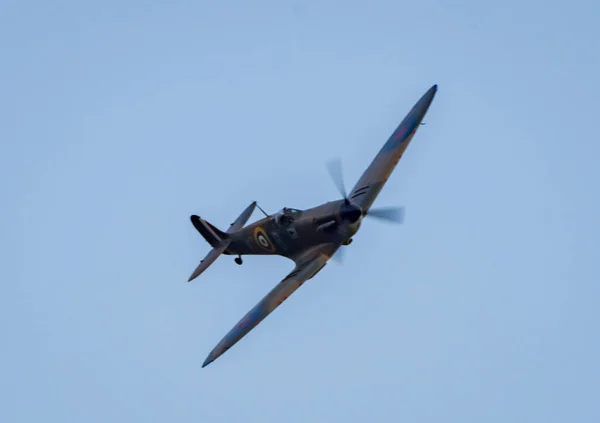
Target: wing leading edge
(306,267)
(376,175)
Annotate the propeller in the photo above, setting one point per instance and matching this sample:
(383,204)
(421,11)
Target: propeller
(352,211)
(334,167)
(339,255)
(388,214)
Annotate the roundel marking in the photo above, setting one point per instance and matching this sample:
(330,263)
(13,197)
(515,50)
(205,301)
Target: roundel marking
(263,240)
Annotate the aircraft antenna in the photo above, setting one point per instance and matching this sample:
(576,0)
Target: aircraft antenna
(262,210)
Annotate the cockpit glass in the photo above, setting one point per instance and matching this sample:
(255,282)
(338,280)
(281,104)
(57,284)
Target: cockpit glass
(288,210)
(286,216)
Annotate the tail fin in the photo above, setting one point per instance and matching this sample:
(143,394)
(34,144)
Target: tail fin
(215,237)
(218,239)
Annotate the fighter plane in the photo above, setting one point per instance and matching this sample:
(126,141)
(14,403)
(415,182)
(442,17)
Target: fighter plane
(308,237)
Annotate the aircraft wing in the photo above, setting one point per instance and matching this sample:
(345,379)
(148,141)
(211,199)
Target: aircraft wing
(307,266)
(374,178)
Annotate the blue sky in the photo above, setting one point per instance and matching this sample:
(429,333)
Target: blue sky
(119,120)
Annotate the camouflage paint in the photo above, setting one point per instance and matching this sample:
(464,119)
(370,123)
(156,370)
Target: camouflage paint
(309,247)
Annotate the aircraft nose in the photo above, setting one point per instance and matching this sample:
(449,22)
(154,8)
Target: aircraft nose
(351,212)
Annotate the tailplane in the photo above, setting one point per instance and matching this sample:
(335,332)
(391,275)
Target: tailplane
(218,240)
(207,261)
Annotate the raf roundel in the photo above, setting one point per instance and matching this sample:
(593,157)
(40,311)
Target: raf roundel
(263,241)
(261,238)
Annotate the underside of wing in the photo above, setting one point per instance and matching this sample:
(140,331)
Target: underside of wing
(307,266)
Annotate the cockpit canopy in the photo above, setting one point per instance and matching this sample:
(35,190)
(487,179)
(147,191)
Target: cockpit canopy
(287,215)
(290,211)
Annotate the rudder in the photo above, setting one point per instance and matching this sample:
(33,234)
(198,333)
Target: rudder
(214,236)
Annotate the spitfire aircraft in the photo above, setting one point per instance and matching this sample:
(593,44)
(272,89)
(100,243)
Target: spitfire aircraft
(308,237)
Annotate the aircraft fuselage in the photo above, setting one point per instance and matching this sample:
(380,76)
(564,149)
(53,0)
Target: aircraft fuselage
(291,231)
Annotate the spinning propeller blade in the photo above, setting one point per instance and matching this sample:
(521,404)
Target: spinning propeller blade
(334,167)
(339,255)
(388,214)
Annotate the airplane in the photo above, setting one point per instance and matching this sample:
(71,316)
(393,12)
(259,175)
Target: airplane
(308,237)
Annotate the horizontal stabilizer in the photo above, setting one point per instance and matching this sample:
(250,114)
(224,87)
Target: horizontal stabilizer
(208,260)
(218,239)
(242,218)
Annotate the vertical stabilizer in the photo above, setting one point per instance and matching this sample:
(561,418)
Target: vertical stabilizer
(218,239)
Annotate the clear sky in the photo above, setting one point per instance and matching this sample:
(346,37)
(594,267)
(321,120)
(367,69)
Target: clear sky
(119,120)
